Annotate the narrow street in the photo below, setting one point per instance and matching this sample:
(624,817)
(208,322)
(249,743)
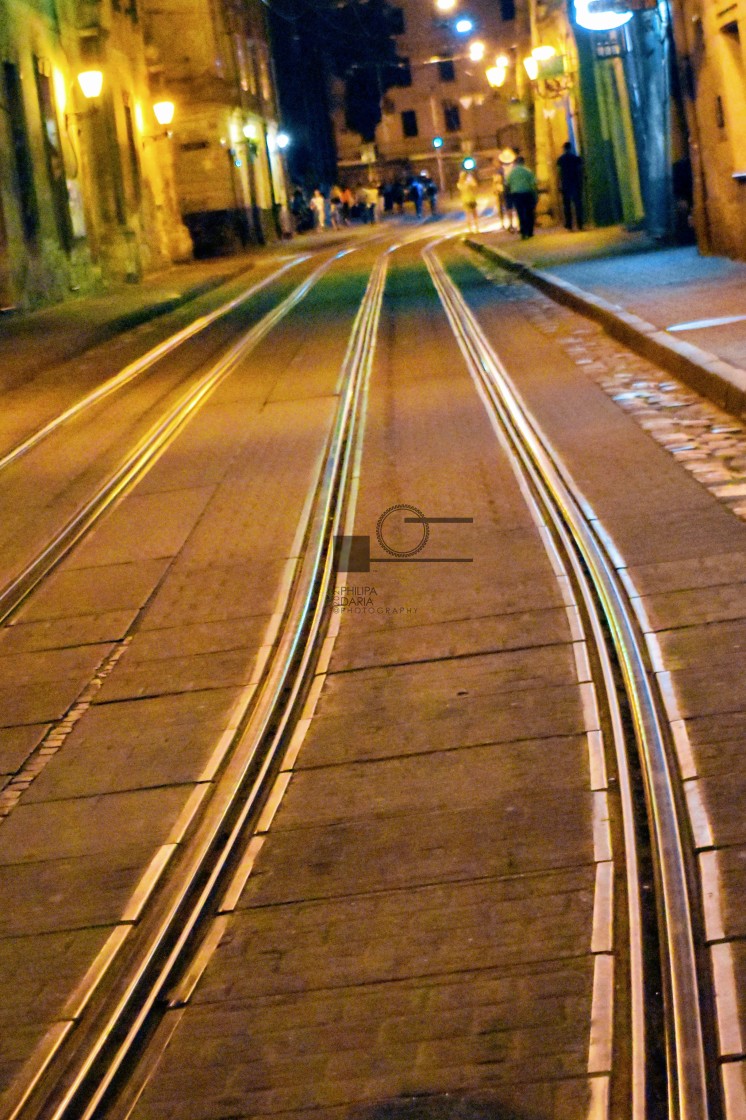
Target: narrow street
(371,710)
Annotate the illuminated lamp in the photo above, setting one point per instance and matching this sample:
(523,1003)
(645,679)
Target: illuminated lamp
(599,21)
(464,26)
(531,66)
(282,140)
(91,83)
(164,112)
(476,50)
(469,163)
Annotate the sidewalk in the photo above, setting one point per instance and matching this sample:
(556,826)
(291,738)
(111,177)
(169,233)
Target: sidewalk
(685,312)
(52,335)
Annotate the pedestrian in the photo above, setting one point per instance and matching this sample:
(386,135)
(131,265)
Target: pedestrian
(570,167)
(299,209)
(318,206)
(371,203)
(414,195)
(348,202)
(498,189)
(361,203)
(467,189)
(335,207)
(522,187)
(431,193)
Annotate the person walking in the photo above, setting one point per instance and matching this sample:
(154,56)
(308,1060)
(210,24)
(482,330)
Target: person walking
(467,189)
(522,187)
(570,168)
(318,206)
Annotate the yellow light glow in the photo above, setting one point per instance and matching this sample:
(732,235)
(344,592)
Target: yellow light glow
(476,50)
(249,131)
(532,67)
(445,5)
(502,60)
(164,112)
(91,83)
(139,118)
(543,53)
(60,90)
(496,76)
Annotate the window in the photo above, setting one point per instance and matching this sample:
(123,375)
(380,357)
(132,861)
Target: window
(507,9)
(409,123)
(446,70)
(134,161)
(54,158)
(24,167)
(451,116)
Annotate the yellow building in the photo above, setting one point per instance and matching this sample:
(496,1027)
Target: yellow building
(712,64)
(212,58)
(85,191)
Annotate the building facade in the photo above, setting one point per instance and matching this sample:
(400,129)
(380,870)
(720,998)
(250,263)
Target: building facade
(84,196)
(93,188)
(710,44)
(443,106)
(213,59)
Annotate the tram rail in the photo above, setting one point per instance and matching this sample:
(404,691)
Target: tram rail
(137,460)
(689,1081)
(160,959)
(143,363)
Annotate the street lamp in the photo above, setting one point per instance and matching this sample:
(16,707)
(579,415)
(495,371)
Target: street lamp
(163,112)
(497,74)
(531,66)
(91,83)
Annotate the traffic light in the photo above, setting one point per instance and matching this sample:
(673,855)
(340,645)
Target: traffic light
(469,163)
(438,142)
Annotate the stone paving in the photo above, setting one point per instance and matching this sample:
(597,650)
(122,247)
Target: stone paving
(672,511)
(412,929)
(706,441)
(118,691)
(416,941)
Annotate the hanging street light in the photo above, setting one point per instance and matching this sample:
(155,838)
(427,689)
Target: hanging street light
(91,83)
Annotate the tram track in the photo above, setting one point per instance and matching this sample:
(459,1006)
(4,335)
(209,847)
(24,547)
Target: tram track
(84,1072)
(139,459)
(140,365)
(159,960)
(659,819)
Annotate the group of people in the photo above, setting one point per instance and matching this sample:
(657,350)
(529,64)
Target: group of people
(516,192)
(365,203)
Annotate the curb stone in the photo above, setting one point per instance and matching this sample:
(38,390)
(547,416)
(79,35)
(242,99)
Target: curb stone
(717,380)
